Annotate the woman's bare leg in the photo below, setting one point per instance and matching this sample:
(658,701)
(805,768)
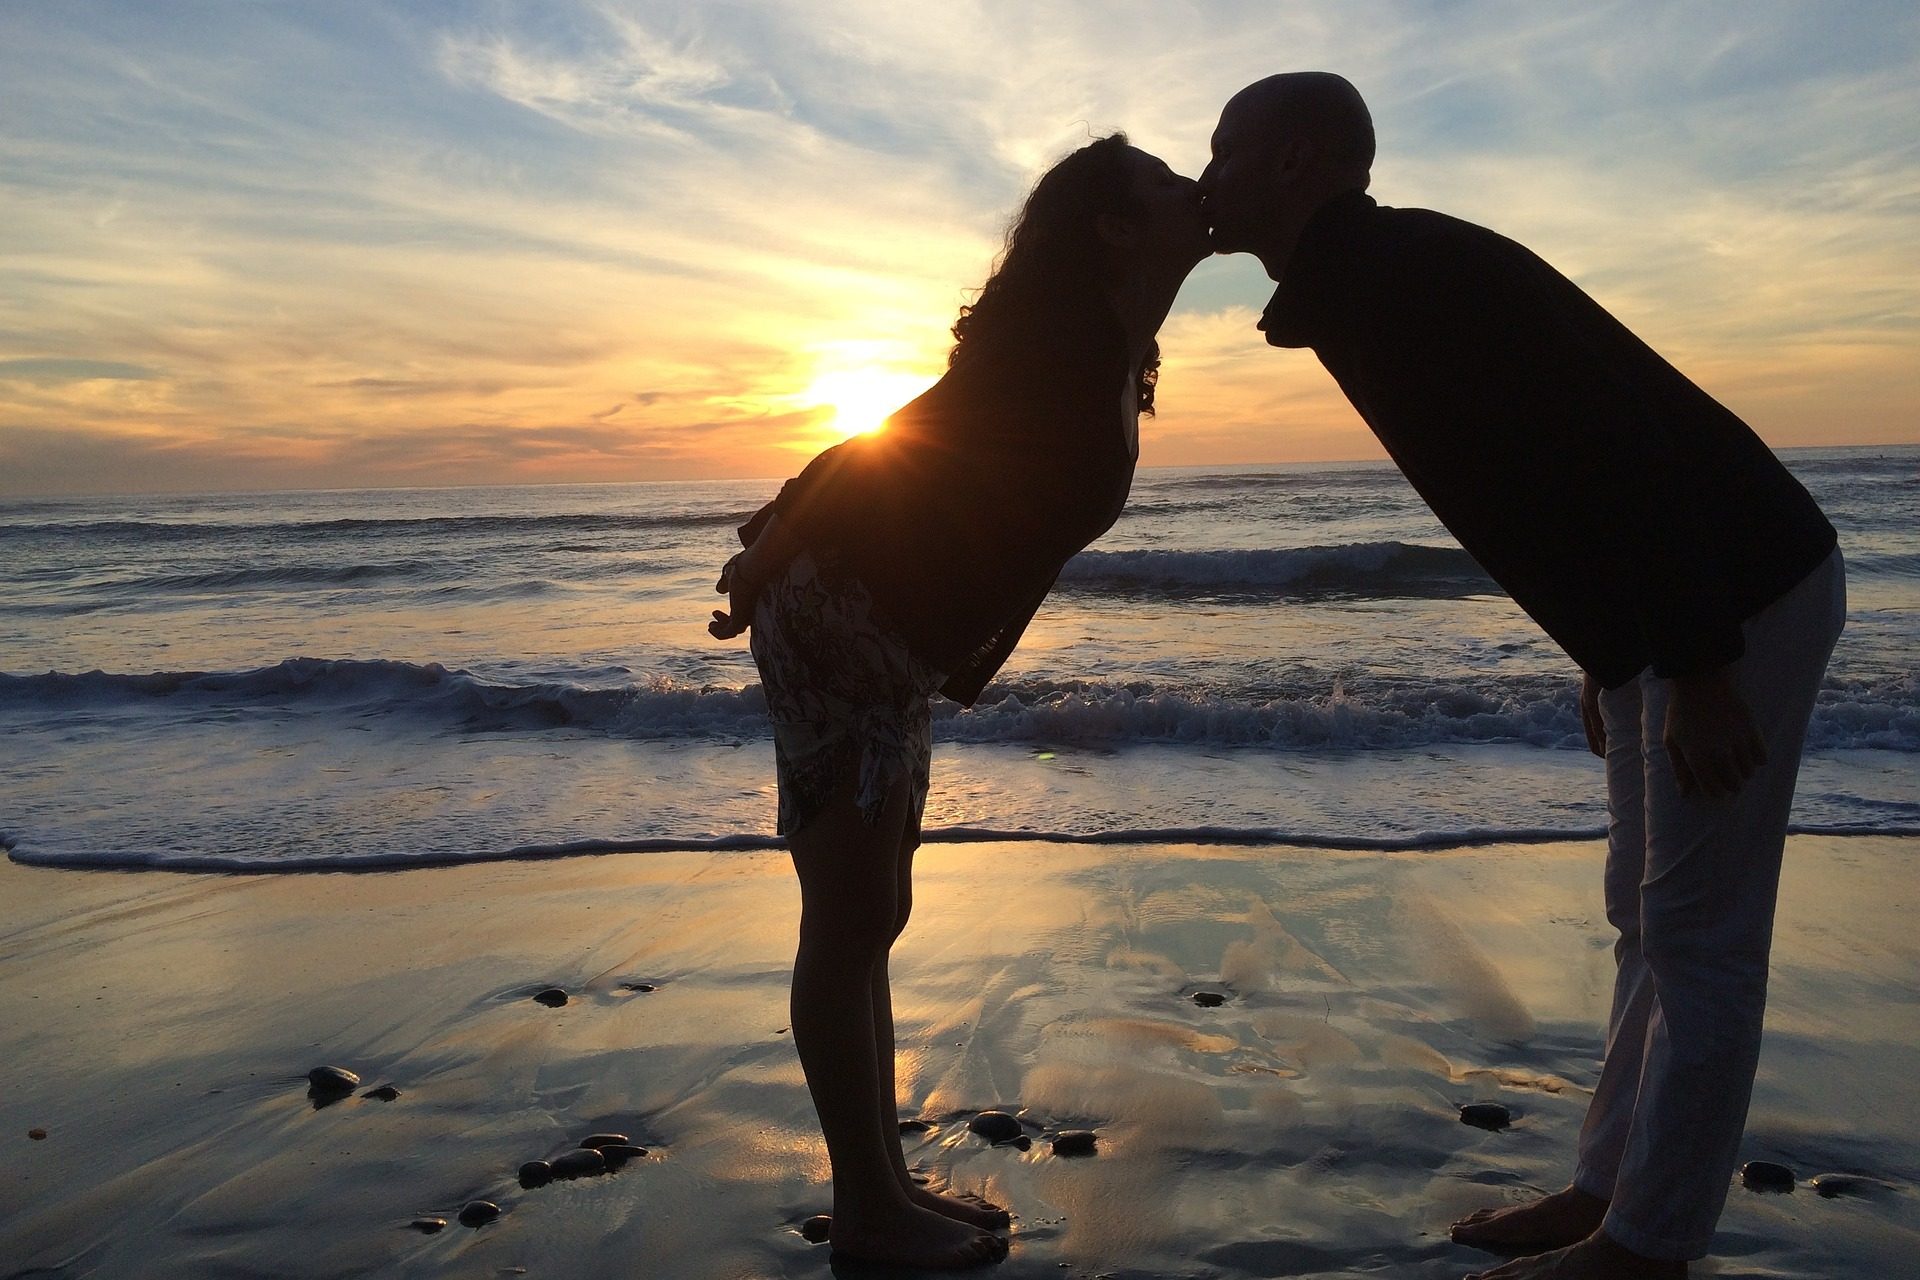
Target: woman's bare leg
(848,894)
(974,1212)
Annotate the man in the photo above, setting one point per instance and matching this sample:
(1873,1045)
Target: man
(1652,535)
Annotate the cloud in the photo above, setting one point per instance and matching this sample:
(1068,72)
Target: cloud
(55,369)
(456,230)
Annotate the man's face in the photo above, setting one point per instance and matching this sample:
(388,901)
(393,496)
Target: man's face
(1240,191)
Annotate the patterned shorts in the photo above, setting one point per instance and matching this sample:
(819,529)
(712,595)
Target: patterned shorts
(847,701)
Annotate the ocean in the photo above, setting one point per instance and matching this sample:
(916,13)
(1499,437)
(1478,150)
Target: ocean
(1298,654)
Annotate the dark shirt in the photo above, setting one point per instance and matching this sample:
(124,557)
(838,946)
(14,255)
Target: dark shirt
(1636,519)
(959,513)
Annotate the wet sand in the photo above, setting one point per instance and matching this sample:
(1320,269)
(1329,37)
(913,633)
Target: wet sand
(159,1027)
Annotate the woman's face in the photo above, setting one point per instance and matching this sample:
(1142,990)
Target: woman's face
(1167,219)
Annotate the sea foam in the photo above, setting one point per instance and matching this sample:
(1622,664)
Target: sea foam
(1535,711)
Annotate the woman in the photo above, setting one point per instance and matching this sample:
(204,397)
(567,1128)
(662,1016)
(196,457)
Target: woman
(909,562)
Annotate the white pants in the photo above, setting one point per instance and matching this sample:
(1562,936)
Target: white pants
(1690,885)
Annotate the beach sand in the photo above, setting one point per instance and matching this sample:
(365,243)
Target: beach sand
(159,1027)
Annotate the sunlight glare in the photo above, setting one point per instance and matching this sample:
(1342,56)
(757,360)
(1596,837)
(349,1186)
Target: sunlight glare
(862,399)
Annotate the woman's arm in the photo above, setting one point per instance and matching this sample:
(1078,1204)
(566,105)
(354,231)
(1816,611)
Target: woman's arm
(743,577)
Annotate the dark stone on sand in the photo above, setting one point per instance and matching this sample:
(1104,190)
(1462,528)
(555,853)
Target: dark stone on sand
(816,1229)
(642,987)
(1486,1115)
(428,1226)
(535,1173)
(583,1163)
(386,1093)
(1209,999)
(1023,1142)
(599,1140)
(331,1081)
(1075,1142)
(38,1135)
(552,997)
(995,1126)
(479,1213)
(618,1153)
(915,1126)
(1832,1185)
(1765,1175)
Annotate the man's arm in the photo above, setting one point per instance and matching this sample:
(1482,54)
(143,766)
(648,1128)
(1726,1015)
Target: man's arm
(1510,341)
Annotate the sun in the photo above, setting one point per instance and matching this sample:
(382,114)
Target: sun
(861,399)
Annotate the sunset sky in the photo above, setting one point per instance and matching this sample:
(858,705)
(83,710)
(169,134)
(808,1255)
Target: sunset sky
(276,245)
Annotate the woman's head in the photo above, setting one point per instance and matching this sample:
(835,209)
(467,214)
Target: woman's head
(1105,210)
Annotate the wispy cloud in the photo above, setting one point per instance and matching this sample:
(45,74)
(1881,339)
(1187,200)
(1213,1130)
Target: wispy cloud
(397,243)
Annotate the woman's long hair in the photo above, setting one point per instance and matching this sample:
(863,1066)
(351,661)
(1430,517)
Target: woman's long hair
(1055,263)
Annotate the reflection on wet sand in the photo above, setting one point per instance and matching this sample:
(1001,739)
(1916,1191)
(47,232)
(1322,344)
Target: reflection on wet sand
(1307,1124)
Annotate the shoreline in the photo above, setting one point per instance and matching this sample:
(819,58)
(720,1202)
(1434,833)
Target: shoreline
(160,1030)
(29,855)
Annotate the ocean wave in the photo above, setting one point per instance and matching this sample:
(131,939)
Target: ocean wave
(398,860)
(1358,568)
(364,526)
(655,708)
(248,577)
(1534,711)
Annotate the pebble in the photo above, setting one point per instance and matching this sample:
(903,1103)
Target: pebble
(598,1140)
(1209,999)
(332,1080)
(386,1093)
(1848,1184)
(642,987)
(1765,1175)
(37,1135)
(580,1164)
(915,1126)
(619,1153)
(1023,1143)
(1486,1115)
(535,1173)
(428,1225)
(1075,1142)
(816,1229)
(995,1126)
(552,997)
(479,1213)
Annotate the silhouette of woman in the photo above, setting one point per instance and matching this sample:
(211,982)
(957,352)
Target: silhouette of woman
(908,562)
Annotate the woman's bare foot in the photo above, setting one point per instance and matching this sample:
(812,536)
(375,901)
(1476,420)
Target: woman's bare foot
(1595,1258)
(906,1235)
(1551,1222)
(972,1210)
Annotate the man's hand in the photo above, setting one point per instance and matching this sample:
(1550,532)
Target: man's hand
(1711,737)
(1590,718)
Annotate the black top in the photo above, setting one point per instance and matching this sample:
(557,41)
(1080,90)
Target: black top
(1635,518)
(958,515)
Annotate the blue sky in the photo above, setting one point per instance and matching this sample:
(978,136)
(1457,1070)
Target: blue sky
(292,245)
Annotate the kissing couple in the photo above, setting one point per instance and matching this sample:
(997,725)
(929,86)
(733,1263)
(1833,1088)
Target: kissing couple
(1642,525)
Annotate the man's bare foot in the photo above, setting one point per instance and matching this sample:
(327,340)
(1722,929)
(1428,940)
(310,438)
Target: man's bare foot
(906,1235)
(970,1209)
(1595,1258)
(1551,1222)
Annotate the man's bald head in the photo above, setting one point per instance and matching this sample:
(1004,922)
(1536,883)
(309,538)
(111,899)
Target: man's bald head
(1285,145)
(1318,108)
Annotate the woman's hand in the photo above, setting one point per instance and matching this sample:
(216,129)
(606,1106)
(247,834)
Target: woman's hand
(740,583)
(1590,717)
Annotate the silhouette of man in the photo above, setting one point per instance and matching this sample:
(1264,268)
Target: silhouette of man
(1660,543)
